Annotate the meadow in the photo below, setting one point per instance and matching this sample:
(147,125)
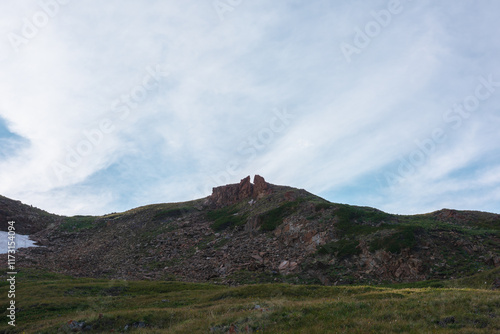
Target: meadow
(54,303)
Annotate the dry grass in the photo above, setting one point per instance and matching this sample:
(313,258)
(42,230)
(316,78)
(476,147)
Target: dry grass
(46,302)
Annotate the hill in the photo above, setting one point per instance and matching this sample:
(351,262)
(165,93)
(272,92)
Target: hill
(261,233)
(28,218)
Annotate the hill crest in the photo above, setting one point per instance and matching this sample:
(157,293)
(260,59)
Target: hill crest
(260,232)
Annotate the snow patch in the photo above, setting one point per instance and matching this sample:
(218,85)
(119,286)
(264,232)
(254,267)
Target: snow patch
(22,241)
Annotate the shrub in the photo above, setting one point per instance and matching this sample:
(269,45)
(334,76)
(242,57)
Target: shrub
(78,223)
(226,218)
(404,237)
(172,213)
(273,218)
(342,249)
(322,206)
(351,219)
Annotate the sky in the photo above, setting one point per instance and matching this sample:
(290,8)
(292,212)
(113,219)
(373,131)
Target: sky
(110,105)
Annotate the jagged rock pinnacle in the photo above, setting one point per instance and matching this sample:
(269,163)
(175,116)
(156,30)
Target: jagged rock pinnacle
(232,193)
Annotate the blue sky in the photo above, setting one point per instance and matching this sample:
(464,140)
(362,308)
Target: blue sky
(106,106)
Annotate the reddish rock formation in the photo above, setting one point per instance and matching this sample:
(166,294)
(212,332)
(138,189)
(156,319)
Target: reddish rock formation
(245,188)
(261,187)
(225,195)
(232,193)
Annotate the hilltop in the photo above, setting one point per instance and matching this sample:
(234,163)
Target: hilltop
(260,232)
(28,218)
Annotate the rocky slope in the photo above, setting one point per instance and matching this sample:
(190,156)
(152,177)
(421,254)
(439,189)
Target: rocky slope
(262,233)
(28,219)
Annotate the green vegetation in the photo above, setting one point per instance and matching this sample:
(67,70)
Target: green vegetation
(273,218)
(459,263)
(356,221)
(323,206)
(50,303)
(254,277)
(477,226)
(404,237)
(172,213)
(486,224)
(78,223)
(227,217)
(349,212)
(342,249)
(46,302)
(482,280)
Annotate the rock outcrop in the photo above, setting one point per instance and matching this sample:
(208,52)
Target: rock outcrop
(232,193)
(261,187)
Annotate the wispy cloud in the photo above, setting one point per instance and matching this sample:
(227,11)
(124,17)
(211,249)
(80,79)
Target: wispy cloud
(83,84)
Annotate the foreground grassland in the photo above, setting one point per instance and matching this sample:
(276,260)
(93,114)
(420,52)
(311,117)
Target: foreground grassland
(47,303)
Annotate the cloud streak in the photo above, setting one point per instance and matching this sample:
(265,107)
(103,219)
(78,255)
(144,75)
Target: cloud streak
(85,82)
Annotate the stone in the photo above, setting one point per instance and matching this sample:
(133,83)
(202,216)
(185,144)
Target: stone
(283,267)
(245,188)
(224,195)
(261,187)
(232,193)
(290,196)
(258,258)
(75,325)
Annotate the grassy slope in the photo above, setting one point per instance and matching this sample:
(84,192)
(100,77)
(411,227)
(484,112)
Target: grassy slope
(48,301)
(351,225)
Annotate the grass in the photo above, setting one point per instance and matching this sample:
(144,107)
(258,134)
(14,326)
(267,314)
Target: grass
(273,218)
(47,302)
(323,206)
(342,249)
(78,223)
(403,237)
(472,228)
(227,217)
(172,213)
(353,220)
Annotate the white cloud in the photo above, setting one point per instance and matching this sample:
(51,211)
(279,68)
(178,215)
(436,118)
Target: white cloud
(351,121)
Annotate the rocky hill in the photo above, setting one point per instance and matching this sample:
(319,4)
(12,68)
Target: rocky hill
(260,232)
(29,219)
